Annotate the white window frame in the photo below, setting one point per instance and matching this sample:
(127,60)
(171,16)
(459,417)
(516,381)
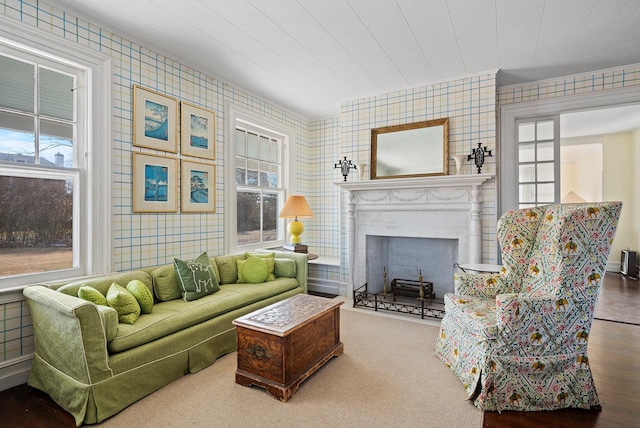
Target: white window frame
(556,157)
(242,117)
(93,178)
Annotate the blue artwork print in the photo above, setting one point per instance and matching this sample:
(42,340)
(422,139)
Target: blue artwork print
(156,120)
(199,187)
(156,187)
(199,130)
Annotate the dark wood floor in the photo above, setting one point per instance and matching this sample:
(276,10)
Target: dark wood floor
(614,354)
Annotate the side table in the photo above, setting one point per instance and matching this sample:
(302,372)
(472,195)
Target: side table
(478,267)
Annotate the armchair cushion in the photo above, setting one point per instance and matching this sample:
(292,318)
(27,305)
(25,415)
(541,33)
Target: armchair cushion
(477,314)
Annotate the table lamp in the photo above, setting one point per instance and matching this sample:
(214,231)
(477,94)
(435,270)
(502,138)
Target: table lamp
(295,206)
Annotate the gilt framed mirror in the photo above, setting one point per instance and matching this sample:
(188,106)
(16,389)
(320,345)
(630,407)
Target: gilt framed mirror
(418,149)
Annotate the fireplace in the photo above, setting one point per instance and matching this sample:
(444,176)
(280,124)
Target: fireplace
(407,258)
(418,218)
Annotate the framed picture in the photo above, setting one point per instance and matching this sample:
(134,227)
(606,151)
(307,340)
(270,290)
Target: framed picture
(155,183)
(155,120)
(198,187)
(198,131)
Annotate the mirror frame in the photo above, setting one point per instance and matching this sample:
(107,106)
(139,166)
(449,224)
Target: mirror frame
(409,126)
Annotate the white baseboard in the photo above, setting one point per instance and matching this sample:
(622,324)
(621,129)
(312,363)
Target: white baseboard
(15,372)
(327,286)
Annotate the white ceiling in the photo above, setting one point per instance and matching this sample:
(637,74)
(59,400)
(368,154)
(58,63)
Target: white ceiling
(308,56)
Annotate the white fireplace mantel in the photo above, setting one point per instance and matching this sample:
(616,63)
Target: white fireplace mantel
(448,207)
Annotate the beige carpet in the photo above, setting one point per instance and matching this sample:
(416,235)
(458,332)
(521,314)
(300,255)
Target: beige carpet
(387,377)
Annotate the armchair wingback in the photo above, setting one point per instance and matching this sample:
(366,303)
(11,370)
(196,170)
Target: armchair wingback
(518,340)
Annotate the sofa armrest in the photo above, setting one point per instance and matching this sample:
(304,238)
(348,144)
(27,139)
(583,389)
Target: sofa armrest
(70,334)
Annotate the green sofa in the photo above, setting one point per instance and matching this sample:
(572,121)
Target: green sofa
(93,366)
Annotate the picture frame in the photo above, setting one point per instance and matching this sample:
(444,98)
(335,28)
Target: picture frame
(198,187)
(197,131)
(155,120)
(155,183)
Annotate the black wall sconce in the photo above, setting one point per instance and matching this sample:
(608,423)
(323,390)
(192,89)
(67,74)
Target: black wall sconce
(478,154)
(345,166)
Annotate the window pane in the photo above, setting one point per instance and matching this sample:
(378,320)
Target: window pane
(526,153)
(56,144)
(545,130)
(526,132)
(241,171)
(546,193)
(545,151)
(545,171)
(528,193)
(252,146)
(252,172)
(56,94)
(17,138)
(273,151)
(36,225)
(241,142)
(273,175)
(248,218)
(527,173)
(264,179)
(264,149)
(18,83)
(270,220)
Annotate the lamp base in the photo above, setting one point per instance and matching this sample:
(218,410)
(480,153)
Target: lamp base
(295,229)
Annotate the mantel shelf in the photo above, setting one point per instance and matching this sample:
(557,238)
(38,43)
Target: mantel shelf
(413,183)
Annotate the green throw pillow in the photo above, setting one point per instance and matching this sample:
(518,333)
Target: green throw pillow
(124,303)
(165,283)
(142,295)
(196,278)
(285,268)
(227,267)
(86,292)
(254,270)
(269,260)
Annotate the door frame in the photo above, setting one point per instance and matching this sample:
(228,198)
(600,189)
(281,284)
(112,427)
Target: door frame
(507,168)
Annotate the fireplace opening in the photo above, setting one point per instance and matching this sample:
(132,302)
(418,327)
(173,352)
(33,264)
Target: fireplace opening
(406,258)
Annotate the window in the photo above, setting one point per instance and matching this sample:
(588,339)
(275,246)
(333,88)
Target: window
(260,153)
(538,166)
(38,124)
(53,188)
(259,192)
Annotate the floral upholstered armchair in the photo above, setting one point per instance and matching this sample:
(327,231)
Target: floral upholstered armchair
(518,340)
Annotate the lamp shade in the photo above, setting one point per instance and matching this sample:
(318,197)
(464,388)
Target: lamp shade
(296,206)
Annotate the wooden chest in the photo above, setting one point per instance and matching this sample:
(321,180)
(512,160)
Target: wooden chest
(281,345)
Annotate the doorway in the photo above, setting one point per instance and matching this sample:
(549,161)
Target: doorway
(599,141)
